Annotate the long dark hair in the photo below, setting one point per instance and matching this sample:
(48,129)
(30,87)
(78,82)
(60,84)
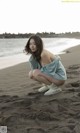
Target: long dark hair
(39,45)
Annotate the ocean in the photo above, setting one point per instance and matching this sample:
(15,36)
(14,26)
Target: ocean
(11,50)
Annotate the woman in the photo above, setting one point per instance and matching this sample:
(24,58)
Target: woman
(45,66)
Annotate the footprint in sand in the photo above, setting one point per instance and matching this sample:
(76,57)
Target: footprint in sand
(36,130)
(73,86)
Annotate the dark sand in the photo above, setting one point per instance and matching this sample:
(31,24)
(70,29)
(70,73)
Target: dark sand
(24,110)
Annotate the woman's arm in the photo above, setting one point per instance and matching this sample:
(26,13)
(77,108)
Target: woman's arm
(34,63)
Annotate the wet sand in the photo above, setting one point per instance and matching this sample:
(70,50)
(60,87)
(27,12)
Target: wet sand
(24,110)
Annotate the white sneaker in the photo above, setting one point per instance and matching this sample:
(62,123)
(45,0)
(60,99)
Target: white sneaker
(53,90)
(43,89)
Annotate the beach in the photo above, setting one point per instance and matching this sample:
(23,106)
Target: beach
(24,110)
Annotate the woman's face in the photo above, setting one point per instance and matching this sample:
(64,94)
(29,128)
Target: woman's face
(32,45)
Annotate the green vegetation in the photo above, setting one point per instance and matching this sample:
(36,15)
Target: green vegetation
(43,35)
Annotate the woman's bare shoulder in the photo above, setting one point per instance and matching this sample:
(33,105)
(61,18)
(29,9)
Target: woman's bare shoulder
(44,52)
(48,52)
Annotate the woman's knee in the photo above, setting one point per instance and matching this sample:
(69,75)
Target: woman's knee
(36,73)
(31,74)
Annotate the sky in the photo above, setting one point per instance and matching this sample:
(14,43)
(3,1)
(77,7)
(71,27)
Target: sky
(32,16)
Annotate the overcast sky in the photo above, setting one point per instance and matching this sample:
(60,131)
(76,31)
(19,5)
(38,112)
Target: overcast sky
(31,16)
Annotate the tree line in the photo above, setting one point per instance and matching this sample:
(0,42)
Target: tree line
(43,35)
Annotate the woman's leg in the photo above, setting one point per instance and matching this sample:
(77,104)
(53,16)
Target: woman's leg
(48,81)
(41,77)
(35,76)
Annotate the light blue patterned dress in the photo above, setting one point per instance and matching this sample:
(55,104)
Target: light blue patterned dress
(54,69)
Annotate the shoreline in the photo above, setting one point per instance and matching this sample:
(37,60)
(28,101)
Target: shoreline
(10,61)
(18,61)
